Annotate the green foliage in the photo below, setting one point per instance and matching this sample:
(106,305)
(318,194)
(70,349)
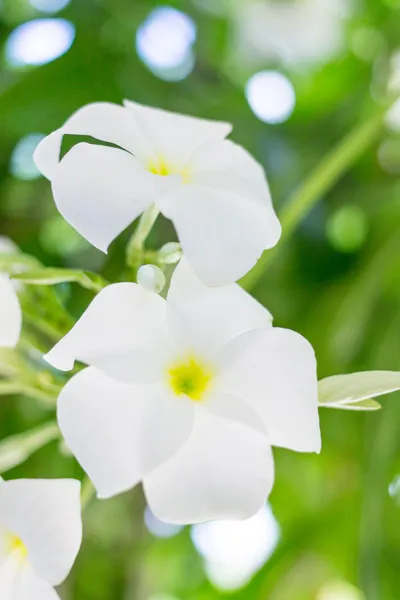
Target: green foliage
(338,523)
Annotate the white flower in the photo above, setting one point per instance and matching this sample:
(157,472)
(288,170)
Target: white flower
(40,536)
(187,394)
(215,193)
(10,310)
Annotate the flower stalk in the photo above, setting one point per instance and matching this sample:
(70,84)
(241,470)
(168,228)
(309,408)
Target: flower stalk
(331,168)
(135,247)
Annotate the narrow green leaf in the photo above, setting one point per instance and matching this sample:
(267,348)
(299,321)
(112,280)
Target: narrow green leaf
(50,276)
(16,449)
(362,405)
(347,391)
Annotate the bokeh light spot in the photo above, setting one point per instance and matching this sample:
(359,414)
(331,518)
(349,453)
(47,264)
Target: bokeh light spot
(39,42)
(340,590)
(347,229)
(234,550)
(22,165)
(271,96)
(49,6)
(389,156)
(394,489)
(60,238)
(160,528)
(165,41)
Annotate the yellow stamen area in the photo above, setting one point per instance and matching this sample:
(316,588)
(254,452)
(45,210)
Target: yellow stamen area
(163,168)
(189,377)
(15,544)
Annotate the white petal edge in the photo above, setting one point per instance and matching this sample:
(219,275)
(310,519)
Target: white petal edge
(101,120)
(274,370)
(10,313)
(101,190)
(222,231)
(224,471)
(119,433)
(124,332)
(208,318)
(46,515)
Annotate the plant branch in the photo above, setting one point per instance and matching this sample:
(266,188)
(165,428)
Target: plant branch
(331,168)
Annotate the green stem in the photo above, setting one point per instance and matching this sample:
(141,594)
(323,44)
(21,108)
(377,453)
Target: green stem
(87,493)
(331,168)
(134,250)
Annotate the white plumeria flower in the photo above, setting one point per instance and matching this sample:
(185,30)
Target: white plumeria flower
(187,395)
(10,310)
(215,193)
(40,536)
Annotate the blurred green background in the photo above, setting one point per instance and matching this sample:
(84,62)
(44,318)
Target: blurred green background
(293,76)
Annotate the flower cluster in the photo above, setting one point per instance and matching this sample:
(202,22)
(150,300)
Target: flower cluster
(185,394)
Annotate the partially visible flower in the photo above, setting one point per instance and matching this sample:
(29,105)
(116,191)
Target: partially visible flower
(294,33)
(10,310)
(40,536)
(187,394)
(214,192)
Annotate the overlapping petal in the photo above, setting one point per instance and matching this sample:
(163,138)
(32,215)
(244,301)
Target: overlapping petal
(124,332)
(101,120)
(224,471)
(274,370)
(46,516)
(222,232)
(215,193)
(205,318)
(118,432)
(174,135)
(10,313)
(101,190)
(18,581)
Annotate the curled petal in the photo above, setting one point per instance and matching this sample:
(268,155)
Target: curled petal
(101,190)
(208,318)
(274,370)
(119,433)
(224,471)
(46,516)
(101,120)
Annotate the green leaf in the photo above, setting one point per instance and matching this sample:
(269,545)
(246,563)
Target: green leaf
(50,276)
(355,390)
(16,449)
(362,405)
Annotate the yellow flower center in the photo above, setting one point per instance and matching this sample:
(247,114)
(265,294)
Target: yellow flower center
(15,544)
(163,168)
(189,377)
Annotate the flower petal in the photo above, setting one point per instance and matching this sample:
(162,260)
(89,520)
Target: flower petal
(101,190)
(224,471)
(120,432)
(230,159)
(123,332)
(18,581)
(222,229)
(274,370)
(176,136)
(46,516)
(101,120)
(208,318)
(10,313)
